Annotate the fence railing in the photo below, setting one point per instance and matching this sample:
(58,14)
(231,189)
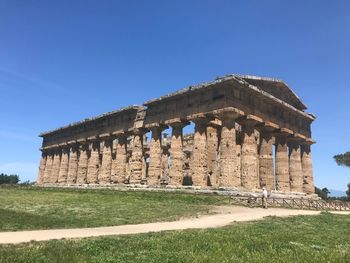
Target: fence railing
(293,203)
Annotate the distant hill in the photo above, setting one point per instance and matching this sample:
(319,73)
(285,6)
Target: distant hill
(336,193)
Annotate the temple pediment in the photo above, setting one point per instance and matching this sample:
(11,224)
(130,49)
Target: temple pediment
(277,88)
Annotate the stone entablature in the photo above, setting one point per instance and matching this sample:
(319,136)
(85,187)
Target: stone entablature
(238,120)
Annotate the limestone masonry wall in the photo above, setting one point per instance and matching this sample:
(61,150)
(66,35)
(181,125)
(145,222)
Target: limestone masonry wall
(249,132)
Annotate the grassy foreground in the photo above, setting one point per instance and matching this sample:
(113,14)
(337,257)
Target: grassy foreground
(323,238)
(34,208)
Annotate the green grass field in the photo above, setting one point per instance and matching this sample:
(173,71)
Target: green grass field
(34,208)
(323,238)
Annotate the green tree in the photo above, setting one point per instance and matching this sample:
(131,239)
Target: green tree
(9,179)
(343,159)
(348,191)
(323,193)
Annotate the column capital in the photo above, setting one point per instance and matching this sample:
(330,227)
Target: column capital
(268,126)
(137,131)
(93,138)
(250,120)
(283,132)
(120,133)
(105,136)
(83,146)
(156,126)
(216,123)
(177,122)
(81,140)
(308,141)
(296,138)
(229,112)
(200,118)
(72,143)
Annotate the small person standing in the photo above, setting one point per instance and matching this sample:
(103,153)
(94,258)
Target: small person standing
(264,197)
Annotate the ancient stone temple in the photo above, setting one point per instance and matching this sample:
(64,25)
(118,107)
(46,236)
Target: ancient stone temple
(249,132)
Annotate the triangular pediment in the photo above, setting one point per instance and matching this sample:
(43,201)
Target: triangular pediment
(277,88)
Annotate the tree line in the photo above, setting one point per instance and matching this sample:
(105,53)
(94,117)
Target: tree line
(9,179)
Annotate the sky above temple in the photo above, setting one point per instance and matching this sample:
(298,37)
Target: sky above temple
(63,61)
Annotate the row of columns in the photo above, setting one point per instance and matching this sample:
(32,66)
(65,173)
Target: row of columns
(219,158)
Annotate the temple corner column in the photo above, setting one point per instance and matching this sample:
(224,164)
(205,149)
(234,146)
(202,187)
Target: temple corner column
(42,166)
(295,166)
(306,163)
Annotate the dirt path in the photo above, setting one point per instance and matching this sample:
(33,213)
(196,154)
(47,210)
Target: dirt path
(224,216)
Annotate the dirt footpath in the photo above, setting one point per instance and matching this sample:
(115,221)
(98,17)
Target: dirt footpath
(224,215)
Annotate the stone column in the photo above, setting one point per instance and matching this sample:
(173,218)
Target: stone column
(93,163)
(105,172)
(164,179)
(230,154)
(55,166)
(136,157)
(282,162)
(306,163)
(120,160)
(155,155)
(249,158)
(199,162)
(48,167)
(73,165)
(295,170)
(83,163)
(63,173)
(266,162)
(176,170)
(114,161)
(213,129)
(42,165)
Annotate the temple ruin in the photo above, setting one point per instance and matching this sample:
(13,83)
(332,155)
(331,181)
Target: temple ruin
(249,132)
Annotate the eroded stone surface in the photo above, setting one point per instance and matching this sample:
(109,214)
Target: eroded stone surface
(93,163)
(249,159)
(266,162)
(73,166)
(82,165)
(308,180)
(106,166)
(136,160)
(230,155)
(55,167)
(42,166)
(282,164)
(295,169)
(63,173)
(176,171)
(121,160)
(199,162)
(212,149)
(155,161)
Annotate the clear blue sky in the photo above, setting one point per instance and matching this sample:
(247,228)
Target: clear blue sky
(62,61)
